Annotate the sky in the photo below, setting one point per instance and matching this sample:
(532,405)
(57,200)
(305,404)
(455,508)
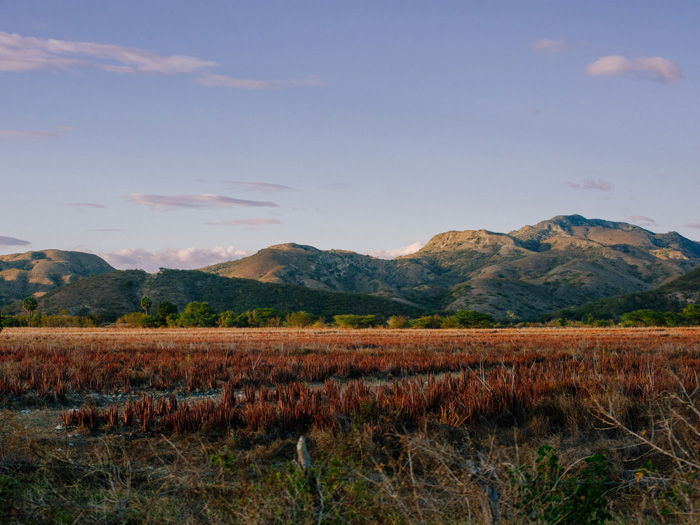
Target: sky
(178,134)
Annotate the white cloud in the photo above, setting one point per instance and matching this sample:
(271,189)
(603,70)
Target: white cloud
(12,241)
(183,259)
(206,200)
(654,68)
(397,252)
(20,54)
(214,80)
(642,220)
(550,45)
(591,184)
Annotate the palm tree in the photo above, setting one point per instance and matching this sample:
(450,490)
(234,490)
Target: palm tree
(146,304)
(30,304)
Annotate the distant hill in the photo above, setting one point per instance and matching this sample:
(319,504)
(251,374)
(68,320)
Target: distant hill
(113,294)
(35,273)
(564,261)
(670,297)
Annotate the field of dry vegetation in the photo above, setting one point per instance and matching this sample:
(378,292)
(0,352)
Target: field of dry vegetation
(545,425)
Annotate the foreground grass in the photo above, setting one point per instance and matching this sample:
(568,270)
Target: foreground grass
(619,456)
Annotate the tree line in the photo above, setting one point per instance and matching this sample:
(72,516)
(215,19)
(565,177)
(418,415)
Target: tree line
(201,314)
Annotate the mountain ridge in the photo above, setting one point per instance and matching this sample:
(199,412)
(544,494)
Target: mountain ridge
(559,262)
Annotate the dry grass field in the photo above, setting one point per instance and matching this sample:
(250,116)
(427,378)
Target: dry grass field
(541,425)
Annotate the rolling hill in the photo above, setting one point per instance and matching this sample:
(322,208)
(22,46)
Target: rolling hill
(564,261)
(35,273)
(113,294)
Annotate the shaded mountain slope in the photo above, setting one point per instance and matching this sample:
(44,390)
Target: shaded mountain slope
(670,297)
(113,294)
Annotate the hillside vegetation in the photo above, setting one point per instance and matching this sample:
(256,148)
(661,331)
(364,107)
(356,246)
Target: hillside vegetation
(670,297)
(111,295)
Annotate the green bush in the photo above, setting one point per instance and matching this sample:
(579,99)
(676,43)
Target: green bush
(397,321)
(356,321)
(469,319)
(299,319)
(262,317)
(138,320)
(548,494)
(427,321)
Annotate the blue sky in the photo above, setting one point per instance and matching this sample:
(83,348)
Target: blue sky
(178,133)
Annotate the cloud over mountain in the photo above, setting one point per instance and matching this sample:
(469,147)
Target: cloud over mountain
(185,259)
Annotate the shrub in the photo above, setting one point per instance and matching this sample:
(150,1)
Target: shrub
(469,319)
(549,494)
(262,317)
(427,321)
(299,319)
(138,320)
(397,321)
(356,321)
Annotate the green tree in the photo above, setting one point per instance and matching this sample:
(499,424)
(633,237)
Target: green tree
(261,317)
(647,317)
(197,314)
(146,304)
(691,314)
(165,309)
(30,304)
(469,319)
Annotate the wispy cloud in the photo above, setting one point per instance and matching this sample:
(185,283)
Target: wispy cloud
(184,259)
(591,184)
(397,252)
(164,202)
(12,241)
(245,222)
(694,225)
(258,186)
(105,230)
(92,205)
(642,220)
(33,133)
(19,54)
(22,53)
(653,68)
(550,45)
(214,80)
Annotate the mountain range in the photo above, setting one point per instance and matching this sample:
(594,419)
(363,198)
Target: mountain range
(563,262)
